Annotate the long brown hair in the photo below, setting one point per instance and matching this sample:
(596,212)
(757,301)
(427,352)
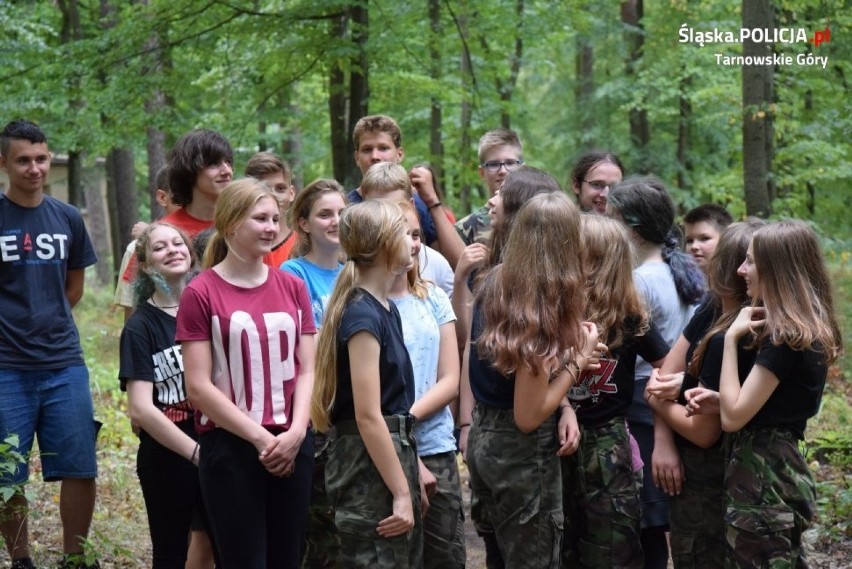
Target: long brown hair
(725,283)
(533,302)
(795,289)
(370,232)
(608,260)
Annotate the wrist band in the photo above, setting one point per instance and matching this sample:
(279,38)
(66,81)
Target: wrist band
(463,425)
(194,454)
(433,206)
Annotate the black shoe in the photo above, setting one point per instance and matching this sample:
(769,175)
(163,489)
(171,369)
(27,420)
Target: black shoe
(23,563)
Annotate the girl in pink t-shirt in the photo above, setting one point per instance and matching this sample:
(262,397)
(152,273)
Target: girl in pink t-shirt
(247,335)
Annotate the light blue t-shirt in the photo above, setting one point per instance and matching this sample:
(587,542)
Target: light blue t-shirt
(668,312)
(320,283)
(421,320)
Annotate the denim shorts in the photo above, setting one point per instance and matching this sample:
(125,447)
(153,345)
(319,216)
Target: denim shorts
(56,405)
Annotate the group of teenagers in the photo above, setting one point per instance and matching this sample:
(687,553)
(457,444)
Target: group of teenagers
(304,367)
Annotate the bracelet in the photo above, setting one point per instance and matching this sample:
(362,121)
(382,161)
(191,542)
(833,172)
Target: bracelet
(194,454)
(433,206)
(463,425)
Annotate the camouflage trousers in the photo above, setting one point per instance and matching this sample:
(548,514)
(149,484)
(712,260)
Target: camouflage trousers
(771,500)
(443,526)
(361,500)
(322,544)
(517,482)
(697,514)
(601,501)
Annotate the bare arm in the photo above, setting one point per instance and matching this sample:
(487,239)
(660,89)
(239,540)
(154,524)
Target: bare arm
(146,415)
(449,241)
(739,404)
(446,389)
(364,352)
(198,366)
(75,281)
(472,257)
(466,402)
(279,457)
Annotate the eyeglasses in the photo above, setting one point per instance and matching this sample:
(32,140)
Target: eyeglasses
(495,165)
(599,185)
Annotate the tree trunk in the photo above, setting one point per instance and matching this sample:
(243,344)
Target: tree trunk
(291,146)
(466,165)
(75,179)
(683,163)
(584,90)
(359,85)
(757,118)
(338,121)
(156,145)
(98,225)
(436,146)
(632,12)
(121,198)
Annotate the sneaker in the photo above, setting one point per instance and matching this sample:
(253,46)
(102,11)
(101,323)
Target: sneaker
(23,563)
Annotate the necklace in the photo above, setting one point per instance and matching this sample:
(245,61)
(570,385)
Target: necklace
(154,302)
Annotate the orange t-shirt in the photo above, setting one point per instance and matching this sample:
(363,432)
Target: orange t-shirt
(281,252)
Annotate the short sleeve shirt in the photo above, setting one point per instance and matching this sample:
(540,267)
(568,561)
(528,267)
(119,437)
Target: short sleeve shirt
(254,335)
(38,246)
(149,353)
(421,322)
(319,280)
(364,313)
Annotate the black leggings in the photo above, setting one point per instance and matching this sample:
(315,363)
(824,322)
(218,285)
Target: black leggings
(172,493)
(258,520)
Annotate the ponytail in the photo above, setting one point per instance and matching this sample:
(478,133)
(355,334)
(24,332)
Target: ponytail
(688,278)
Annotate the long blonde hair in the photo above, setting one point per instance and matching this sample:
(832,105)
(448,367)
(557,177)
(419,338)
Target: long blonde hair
(612,298)
(416,284)
(795,289)
(533,302)
(371,232)
(233,206)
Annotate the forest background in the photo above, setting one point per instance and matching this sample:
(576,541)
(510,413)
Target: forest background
(649,80)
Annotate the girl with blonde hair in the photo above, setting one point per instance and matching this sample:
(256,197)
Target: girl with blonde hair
(600,489)
(528,345)
(792,322)
(247,336)
(167,458)
(365,389)
(428,327)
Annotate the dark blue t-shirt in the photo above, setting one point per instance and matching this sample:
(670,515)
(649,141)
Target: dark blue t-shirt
(490,387)
(38,246)
(396,378)
(427,226)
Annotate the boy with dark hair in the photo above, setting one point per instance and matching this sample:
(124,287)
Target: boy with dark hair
(702,226)
(277,175)
(44,250)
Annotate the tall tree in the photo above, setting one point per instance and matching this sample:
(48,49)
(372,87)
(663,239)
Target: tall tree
(757,114)
(632,12)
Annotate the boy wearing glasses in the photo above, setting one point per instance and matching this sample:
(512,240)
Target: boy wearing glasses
(500,152)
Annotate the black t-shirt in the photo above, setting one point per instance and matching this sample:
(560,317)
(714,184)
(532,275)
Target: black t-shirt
(396,378)
(596,400)
(149,353)
(801,380)
(490,387)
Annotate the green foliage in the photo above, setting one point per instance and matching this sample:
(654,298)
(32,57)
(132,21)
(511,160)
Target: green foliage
(10,461)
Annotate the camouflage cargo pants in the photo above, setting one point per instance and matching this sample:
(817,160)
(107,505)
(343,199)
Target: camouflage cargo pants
(601,498)
(516,479)
(443,526)
(697,515)
(361,500)
(771,500)
(322,544)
